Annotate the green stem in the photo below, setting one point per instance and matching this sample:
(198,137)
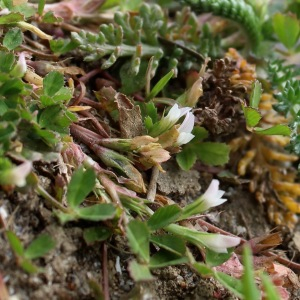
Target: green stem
(42,192)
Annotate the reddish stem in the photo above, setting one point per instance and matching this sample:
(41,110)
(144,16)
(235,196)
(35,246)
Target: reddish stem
(105,282)
(91,103)
(99,128)
(84,135)
(89,75)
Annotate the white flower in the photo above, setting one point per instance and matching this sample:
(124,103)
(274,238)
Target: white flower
(21,67)
(17,175)
(4,11)
(219,242)
(174,114)
(166,123)
(215,242)
(3,213)
(213,196)
(185,130)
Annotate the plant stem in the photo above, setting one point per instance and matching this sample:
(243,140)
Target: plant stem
(41,191)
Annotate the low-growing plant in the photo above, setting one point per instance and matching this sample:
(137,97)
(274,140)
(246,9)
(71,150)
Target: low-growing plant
(36,249)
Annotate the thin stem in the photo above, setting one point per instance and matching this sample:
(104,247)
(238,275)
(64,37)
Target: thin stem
(42,192)
(105,282)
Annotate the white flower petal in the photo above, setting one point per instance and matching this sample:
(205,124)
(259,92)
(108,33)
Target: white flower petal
(184,138)
(188,123)
(184,110)
(212,189)
(174,114)
(212,196)
(3,213)
(4,11)
(219,242)
(18,174)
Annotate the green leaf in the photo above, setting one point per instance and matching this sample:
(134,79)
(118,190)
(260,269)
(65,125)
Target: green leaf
(232,284)
(149,113)
(39,247)
(203,269)
(62,46)
(52,83)
(13,38)
(12,87)
(152,111)
(139,272)
(255,94)
(148,123)
(186,158)
(252,115)
(164,216)
(130,5)
(81,184)
(41,6)
(213,153)
(49,17)
(138,235)
(250,290)
(63,94)
(109,4)
(64,217)
(29,267)
(11,18)
(96,234)
(161,84)
(171,243)
(6,61)
(287,29)
(7,4)
(215,259)
(24,9)
(15,243)
(97,212)
(275,130)
(56,118)
(200,133)
(165,258)
(132,83)
(269,288)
